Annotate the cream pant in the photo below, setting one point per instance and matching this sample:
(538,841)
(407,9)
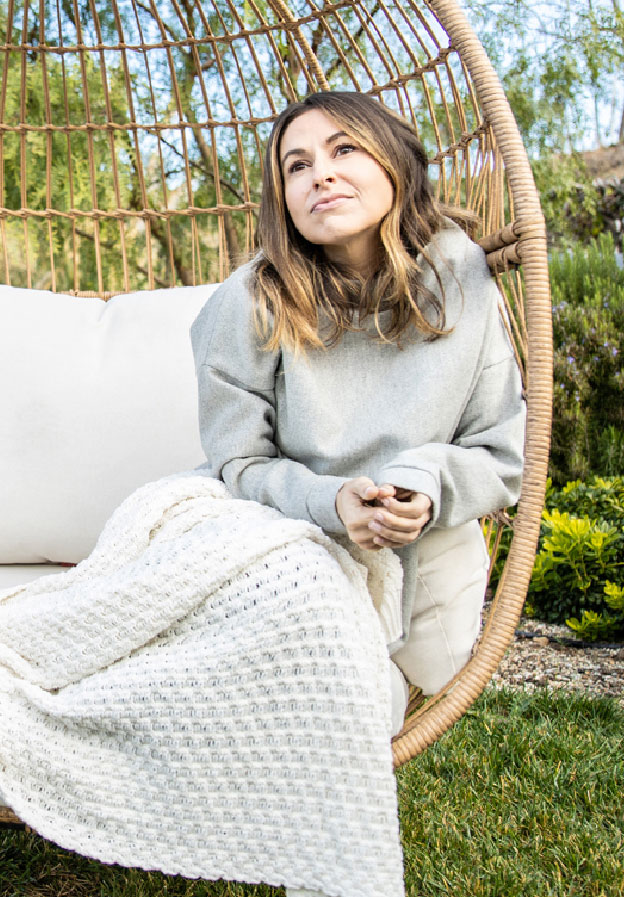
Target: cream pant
(446,615)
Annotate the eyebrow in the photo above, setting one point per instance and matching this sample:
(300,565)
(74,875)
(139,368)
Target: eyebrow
(299,152)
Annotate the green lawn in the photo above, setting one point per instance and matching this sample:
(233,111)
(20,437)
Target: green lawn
(523,798)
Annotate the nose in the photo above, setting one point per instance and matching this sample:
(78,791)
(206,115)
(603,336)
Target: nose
(323,173)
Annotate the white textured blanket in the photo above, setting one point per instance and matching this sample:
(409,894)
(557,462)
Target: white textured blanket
(207,694)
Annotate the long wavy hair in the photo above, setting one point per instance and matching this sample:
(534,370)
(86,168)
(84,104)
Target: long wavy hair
(297,287)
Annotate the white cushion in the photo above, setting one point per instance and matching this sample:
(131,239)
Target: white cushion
(14,575)
(96,398)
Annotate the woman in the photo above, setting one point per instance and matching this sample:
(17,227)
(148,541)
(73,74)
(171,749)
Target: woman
(357,373)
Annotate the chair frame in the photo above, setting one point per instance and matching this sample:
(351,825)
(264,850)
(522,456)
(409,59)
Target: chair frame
(519,241)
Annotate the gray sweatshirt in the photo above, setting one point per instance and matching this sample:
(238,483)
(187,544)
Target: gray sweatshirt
(444,417)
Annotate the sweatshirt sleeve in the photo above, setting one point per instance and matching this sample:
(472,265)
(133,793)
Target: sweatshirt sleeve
(236,386)
(480,470)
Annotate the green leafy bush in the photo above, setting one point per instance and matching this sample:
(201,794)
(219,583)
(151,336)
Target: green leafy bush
(588,335)
(577,208)
(578,576)
(570,201)
(604,625)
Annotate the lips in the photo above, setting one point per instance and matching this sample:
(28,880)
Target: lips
(329,202)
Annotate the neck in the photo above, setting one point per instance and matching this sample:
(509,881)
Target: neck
(359,261)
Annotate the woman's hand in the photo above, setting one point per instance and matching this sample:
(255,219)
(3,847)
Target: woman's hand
(356,503)
(401,517)
(381,516)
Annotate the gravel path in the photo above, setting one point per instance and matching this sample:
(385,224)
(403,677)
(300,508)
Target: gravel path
(537,660)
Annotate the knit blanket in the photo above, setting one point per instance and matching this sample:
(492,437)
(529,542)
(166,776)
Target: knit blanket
(206,694)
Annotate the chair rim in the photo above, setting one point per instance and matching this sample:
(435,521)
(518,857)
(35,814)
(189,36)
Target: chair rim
(437,715)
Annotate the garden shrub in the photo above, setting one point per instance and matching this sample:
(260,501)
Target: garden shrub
(577,207)
(588,336)
(578,576)
(571,203)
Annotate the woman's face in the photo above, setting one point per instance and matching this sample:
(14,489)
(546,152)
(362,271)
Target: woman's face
(336,193)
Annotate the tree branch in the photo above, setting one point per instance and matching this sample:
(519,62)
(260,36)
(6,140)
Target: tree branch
(209,174)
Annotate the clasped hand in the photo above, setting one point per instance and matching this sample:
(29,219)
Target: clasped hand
(381,516)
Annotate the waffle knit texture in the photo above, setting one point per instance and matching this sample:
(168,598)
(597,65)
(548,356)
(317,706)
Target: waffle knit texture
(206,694)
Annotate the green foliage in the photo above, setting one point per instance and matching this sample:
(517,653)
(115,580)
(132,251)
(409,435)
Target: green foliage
(123,168)
(578,576)
(600,498)
(558,62)
(73,183)
(544,113)
(572,565)
(572,205)
(588,335)
(132,157)
(594,626)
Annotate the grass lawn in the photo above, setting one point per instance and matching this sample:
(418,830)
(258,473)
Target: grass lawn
(523,798)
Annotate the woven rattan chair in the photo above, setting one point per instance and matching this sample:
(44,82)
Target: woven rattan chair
(131,135)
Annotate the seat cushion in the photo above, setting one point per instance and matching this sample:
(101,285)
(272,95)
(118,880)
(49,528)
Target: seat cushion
(96,399)
(12,575)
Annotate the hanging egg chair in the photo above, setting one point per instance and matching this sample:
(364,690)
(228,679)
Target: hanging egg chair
(131,145)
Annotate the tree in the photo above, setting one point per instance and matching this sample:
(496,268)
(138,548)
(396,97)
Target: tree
(106,87)
(561,64)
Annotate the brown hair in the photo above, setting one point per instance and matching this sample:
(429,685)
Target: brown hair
(294,280)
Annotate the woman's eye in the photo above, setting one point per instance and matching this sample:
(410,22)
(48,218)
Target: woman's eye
(294,167)
(344,148)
